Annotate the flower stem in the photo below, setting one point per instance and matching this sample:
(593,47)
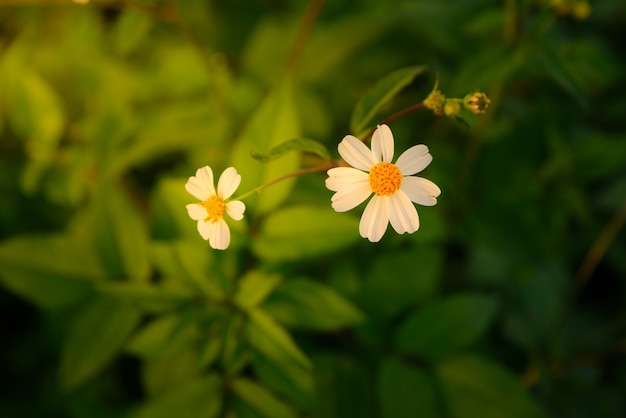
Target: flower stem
(313,169)
(395,117)
(311,14)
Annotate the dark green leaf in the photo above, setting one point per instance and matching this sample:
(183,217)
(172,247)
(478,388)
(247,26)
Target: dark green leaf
(164,335)
(121,235)
(94,339)
(163,374)
(297,303)
(254,287)
(380,94)
(476,387)
(262,400)
(441,328)
(130,30)
(52,271)
(295,382)
(299,144)
(406,391)
(188,261)
(271,339)
(396,281)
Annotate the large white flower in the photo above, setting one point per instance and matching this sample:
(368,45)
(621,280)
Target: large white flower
(393,185)
(210,211)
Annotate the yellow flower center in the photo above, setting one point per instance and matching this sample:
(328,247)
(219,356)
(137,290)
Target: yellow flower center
(215,208)
(385,179)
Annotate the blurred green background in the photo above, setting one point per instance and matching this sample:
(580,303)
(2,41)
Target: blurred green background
(508,302)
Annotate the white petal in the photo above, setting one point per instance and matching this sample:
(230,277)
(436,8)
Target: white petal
(196,211)
(204,228)
(344,176)
(382,144)
(219,235)
(228,183)
(235,209)
(420,190)
(414,160)
(375,219)
(402,213)
(350,197)
(356,153)
(201,186)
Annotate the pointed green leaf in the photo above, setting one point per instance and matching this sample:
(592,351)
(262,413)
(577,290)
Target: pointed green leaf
(145,296)
(268,337)
(383,91)
(163,374)
(298,144)
(304,231)
(189,262)
(130,29)
(393,283)
(295,382)
(443,327)
(52,271)
(406,391)
(254,287)
(476,387)
(274,122)
(303,303)
(198,398)
(262,400)
(95,338)
(121,235)
(157,337)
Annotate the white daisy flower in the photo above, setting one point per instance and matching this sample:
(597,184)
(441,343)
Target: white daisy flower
(393,185)
(210,211)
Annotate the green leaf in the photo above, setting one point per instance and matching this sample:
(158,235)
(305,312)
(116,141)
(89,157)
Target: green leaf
(162,335)
(234,353)
(169,219)
(166,373)
(254,287)
(130,29)
(35,112)
(476,387)
(556,68)
(121,235)
(189,262)
(262,400)
(274,122)
(397,280)
(94,339)
(406,391)
(304,231)
(299,144)
(198,398)
(295,382)
(303,303)
(383,91)
(445,326)
(52,271)
(268,337)
(144,296)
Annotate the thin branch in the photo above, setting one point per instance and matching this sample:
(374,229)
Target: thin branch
(600,246)
(311,14)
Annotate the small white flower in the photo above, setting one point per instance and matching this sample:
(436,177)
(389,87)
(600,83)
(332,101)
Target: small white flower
(210,211)
(393,185)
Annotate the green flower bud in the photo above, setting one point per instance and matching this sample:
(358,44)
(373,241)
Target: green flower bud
(476,102)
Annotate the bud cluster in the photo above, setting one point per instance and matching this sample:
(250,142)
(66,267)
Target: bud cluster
(476,103)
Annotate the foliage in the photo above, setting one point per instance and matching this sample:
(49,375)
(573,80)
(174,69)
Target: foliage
(508,301)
